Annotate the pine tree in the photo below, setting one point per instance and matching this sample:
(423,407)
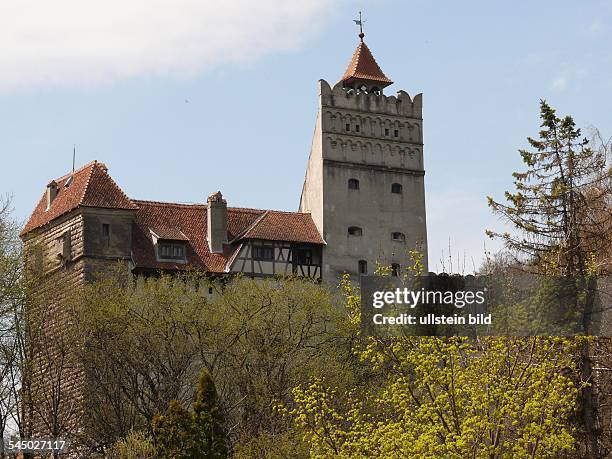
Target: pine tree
(197,434)
(548,206)
(558,228)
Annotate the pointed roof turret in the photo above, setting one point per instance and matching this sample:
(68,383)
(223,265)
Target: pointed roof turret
(363,69)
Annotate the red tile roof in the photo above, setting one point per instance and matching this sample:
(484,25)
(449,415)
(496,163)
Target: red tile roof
(91,186)
(191,221)
(284,226)
(363,67)
(169,233)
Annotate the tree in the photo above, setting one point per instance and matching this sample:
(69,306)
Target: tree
(11,302)
(145,341)
(199,433)
(547,208)
(135,445)
(561,212)
(444,397)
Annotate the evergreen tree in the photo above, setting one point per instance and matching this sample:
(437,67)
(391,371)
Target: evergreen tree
(561,210)
(197,434)
(549,205)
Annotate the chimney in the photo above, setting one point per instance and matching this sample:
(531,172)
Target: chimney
(52,190)
(217,222)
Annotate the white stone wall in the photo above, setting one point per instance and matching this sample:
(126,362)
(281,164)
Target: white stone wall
(387,148)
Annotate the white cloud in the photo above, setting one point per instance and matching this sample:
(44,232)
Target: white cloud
(90,42)
(596,28)
(559,83)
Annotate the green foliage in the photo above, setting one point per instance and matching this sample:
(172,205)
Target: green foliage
(147,339)
(136,445)
(280,445)
(199,433)
(551,205)
(495,397)
(444,397)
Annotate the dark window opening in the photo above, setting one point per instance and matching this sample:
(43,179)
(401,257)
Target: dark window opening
(387,132)
(396,133)
(357,127)
(395,269)
(355,231)
(210,290)
(363,267)
(105,234)
(397,236)
(353,184)
(171,251)
(263,253)
(348,127)
(396,188)
(304,257)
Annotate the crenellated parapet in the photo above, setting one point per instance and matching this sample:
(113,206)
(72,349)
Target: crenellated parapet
(341,97)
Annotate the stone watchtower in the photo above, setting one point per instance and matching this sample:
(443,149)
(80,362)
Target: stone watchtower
(364,183)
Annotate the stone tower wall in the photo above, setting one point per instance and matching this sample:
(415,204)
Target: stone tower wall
(59,269)
(377,140)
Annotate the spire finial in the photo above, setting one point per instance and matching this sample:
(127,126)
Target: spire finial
(360,22)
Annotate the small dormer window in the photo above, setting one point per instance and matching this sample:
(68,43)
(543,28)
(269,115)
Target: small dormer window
(353,184)
(171,250)
(397,236)
(355,231)
(396,188)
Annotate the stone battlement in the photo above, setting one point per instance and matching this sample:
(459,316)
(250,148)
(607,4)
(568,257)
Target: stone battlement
(400,105)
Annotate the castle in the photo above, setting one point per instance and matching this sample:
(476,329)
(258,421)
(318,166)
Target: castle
(362,202)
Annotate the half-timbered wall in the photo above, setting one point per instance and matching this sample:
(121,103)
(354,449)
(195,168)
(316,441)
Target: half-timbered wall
(260,258)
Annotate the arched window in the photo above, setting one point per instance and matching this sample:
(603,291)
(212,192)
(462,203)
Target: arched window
(363,267)
(397,236)
(396,188)
(395,269)
(355,231)
(353,184)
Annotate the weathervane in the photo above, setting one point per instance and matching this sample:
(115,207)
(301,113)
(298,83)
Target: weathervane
(360,22)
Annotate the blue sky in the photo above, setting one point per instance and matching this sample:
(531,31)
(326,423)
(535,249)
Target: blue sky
(181,98)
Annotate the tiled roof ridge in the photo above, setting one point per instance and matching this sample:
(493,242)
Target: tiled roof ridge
(230,260)
(104,171)
(86,187)
(76,171)
(204,206)
(166,203)
(250,227)
(26,229)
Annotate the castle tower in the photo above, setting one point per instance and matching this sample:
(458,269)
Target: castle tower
(364,182)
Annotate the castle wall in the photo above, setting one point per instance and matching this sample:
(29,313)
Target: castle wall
(61,257)
(118,243)
(312,191)
(377,140)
